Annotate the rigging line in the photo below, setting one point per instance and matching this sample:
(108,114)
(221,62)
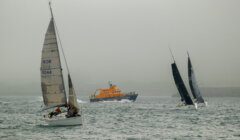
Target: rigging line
(188,54)
(50,8)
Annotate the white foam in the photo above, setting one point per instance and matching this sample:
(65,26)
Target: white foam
(196,105)
(81,101)
(125,101)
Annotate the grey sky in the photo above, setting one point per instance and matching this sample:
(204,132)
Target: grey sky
(125,41)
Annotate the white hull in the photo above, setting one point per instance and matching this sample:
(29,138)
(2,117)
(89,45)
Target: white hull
(196,105)
(63,121)
(205,104)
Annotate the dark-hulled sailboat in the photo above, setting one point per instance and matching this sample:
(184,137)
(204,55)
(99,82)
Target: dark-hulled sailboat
(185,98)
(53,88)
(193,84)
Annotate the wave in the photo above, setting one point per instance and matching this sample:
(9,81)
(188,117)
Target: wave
(4,103)
(81,101)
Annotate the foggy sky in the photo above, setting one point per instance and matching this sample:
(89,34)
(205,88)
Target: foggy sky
(125,41)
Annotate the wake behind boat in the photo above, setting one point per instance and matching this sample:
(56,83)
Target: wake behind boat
(113,93)
(66,112)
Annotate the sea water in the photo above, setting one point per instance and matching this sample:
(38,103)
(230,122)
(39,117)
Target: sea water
(148,118)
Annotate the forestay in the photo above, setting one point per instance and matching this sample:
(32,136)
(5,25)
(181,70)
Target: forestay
(51,72)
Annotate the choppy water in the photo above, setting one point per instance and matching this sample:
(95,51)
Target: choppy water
(148,118)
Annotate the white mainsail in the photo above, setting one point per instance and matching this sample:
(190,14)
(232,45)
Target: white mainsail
(53,89)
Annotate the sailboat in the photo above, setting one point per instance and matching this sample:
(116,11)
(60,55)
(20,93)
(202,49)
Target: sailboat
(67,112)
(185,97)
(193,84)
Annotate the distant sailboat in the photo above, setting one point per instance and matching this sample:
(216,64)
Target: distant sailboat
(53,88)
(193,84)
(185,98)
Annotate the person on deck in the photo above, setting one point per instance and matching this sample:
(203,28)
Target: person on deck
(55,113)
(72,111)
(58,110)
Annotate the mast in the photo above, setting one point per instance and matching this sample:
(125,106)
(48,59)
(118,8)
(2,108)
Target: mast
(50,9)
(172,54)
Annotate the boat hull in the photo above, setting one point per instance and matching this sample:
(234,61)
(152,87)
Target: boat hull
(131,97)
(64,121)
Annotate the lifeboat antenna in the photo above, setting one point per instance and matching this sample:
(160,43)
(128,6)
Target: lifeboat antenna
(110,83)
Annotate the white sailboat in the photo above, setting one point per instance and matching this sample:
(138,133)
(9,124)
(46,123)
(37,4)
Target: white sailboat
(68,111)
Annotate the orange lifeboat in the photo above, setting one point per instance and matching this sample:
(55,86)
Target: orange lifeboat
(111,93)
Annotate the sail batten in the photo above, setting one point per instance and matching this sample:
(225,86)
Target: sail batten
(53,88)
(181,86)
(193,83)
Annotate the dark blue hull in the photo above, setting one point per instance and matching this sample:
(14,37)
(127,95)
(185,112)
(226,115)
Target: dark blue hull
(131,97)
